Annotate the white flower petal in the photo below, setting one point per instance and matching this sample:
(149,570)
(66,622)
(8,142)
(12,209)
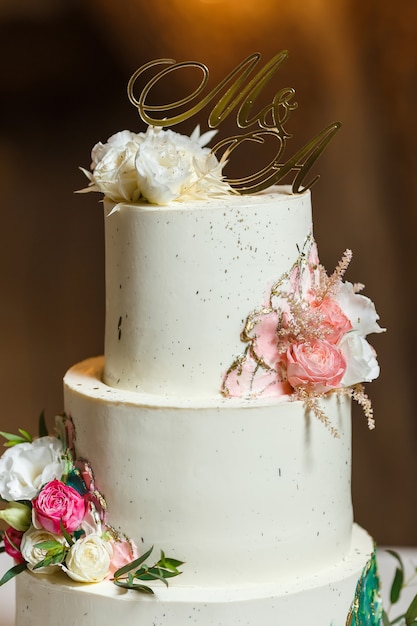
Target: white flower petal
(361,363)
(24,468)
(359,309)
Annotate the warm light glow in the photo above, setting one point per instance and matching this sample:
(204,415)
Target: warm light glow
(220,33)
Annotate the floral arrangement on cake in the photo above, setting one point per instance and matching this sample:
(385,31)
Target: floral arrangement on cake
(57,519)
(308,339)
(158,166)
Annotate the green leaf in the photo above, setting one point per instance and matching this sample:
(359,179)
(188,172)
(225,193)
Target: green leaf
(168,563)
(411,614)
(396,586)
(49,545)
(42,428)
(385,620)
(53,557)
(398,558)
(7,436)
(14,440)
(14,571)
(26,435)
(154,573)
(134,564)
(161,573)
(135,587)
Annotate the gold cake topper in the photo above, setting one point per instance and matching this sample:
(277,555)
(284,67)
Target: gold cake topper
(239,91)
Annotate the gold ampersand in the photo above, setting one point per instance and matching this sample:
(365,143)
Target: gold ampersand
(240,91)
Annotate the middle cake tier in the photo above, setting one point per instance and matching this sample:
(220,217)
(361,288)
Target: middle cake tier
(241,490)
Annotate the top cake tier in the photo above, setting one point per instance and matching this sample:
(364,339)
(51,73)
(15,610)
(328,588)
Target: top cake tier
(181,280)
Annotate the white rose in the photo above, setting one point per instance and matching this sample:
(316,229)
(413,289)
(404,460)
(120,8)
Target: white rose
(361,363)
(88,560)
(359,309)
(170,166)
(113,166)
(34,555)
(24,468)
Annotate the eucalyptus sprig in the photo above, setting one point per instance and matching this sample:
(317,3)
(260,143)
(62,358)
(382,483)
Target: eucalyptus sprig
(164,568)
(397,586)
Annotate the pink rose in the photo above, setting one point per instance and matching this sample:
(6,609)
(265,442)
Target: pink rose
(335,324)
(317,364)
(124,552)
(12,541)
(56,502)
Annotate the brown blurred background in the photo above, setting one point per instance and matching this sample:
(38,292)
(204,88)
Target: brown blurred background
(64,70)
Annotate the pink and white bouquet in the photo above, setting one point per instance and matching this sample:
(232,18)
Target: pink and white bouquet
(308,339)
(57,519)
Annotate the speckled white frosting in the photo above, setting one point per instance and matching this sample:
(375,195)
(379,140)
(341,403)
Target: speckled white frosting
(181,280)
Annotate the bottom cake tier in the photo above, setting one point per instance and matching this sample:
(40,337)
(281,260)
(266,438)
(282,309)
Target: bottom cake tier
(342,595)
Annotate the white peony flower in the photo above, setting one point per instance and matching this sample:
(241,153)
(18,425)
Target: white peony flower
(113,166)
(359,309)
(361,363)
(25,467)
(159,166)
(34,555)
(88,560)
(117,142)
(171,166)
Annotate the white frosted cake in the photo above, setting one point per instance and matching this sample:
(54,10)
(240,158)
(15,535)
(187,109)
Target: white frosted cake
(217,424)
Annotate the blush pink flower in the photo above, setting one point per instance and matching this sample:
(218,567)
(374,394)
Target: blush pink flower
(317,365)
(335,324)
(124,552)
(56,502)
(12,541)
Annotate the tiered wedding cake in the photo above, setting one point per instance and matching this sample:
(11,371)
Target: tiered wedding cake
(218,422)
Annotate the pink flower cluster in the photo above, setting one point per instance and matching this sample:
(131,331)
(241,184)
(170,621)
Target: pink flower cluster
(309,336)
(67,511)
